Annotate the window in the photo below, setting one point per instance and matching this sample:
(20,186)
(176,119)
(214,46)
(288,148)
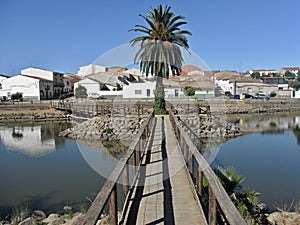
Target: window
(260,90)
(0,86)
(138,92)
(148,92)
(249,90)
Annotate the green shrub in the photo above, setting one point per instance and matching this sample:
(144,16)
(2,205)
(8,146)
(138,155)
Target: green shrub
(107,131)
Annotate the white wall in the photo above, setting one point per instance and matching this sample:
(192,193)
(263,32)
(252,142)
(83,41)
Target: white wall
(111,93)
(225,85)
(90,85)
(38,73)
(2,78)
(295,94)
(131,90)
(26,85)
(90,69)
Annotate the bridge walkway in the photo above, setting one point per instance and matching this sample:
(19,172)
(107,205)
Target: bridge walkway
(163,193)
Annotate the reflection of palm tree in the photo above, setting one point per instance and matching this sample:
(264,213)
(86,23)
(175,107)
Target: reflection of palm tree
(17,134)
(159,52)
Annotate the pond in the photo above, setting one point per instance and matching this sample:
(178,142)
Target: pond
(268,157)
(48,171)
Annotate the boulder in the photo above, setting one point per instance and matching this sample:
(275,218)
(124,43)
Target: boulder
(50,218)
(38,215)
(284,218)
(28,221)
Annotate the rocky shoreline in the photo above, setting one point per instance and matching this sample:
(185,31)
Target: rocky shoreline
(105,128)
(34,117)
(39,217)
(69,218)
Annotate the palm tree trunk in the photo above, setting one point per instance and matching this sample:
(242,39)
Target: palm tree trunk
(160,103)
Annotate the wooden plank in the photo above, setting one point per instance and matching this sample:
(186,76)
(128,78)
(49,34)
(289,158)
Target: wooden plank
(226,205)
(101,199)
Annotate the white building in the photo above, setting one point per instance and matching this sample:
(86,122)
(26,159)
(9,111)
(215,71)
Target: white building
(294,70)
(144,89)
(90,69)
(262,72)
(2,77)
(55,77)
(32,88)
(91,86)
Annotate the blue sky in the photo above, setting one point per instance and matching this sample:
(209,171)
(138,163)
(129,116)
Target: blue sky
(63,35)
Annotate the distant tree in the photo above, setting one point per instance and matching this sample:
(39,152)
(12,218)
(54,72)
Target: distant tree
(80,92)
(189,91)
(276,75)
(265,75)
(289,74)
(295,84)
(17,96)
(255,75)
(272,94)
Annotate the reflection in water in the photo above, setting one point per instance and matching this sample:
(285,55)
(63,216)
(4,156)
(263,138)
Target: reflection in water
(269,157)
(47,170)
(35,140)
(266,123)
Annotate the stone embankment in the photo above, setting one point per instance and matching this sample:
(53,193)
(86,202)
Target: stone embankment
(68,218)
(105,128)
(22,117)
(210,127)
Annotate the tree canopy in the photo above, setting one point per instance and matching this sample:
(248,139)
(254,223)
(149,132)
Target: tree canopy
(80,92)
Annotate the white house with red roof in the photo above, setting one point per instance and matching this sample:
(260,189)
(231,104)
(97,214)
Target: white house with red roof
(262,72)
(294,70)
(32,88)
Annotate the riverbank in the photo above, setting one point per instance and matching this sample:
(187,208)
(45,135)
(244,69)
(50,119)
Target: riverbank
(72,218)
(34,115)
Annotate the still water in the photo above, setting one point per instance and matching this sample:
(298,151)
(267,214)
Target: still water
(49,171)
(268,157)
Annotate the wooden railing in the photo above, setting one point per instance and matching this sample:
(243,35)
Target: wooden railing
(217,205)
(108,193)
(87,108)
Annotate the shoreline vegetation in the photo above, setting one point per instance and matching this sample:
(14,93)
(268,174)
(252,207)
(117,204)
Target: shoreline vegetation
(105,129)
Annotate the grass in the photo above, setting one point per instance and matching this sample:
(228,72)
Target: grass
(20,211)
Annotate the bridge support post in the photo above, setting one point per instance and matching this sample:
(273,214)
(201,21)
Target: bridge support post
(212,208)
(199,180)
(113,207)
(125,182)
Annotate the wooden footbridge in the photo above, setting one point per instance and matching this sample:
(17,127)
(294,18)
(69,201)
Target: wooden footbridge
(163,179)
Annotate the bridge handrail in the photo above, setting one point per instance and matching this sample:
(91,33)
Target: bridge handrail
(218,199)
(108,192)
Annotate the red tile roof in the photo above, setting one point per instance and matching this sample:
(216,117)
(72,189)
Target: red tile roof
(291,68)
(38,78)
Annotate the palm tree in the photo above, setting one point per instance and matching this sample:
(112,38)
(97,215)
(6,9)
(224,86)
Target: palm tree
(159,53)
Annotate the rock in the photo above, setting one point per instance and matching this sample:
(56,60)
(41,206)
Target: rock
(68,209)
(28,221)
(38,215)
(57,221)
(284,218)
(50,218)
(75,219)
